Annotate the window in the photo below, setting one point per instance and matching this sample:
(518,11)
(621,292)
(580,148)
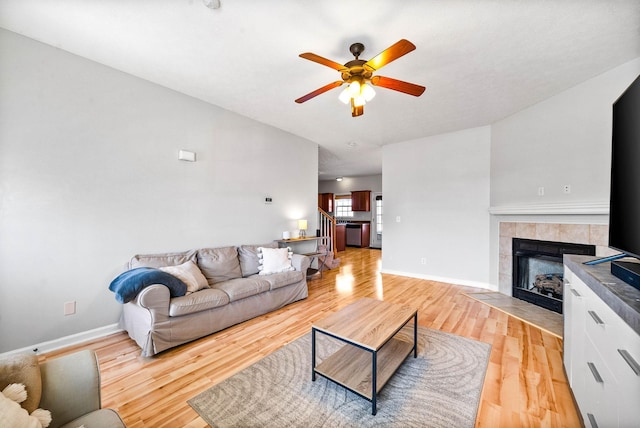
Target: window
(379,214)
(343,206)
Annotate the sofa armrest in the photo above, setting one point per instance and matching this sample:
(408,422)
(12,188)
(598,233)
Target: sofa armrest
(156,298)
(70,386)
(300,262)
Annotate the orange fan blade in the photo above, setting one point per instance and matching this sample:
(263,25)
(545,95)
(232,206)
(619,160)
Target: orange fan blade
(392,53)
(398,85)
(320,60)
(319,91)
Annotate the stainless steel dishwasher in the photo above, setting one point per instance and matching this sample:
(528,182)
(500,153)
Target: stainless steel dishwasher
(354,235)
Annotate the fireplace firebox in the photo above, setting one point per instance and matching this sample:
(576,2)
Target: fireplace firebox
(538,271)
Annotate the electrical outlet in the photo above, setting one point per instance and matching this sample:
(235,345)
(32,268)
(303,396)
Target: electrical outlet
(423,261)
(541,191)
(566,188)
(70,308)
(397,219)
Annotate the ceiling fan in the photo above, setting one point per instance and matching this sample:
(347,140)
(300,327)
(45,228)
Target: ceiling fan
(358,74)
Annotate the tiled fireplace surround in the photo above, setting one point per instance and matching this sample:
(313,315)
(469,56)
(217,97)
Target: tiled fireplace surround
(594,234)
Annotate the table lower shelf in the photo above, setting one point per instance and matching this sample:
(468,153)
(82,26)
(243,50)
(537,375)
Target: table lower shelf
(312,271)
(351,366)
(316,255)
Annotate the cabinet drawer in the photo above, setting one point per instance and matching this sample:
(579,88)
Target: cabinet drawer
(577,284)
(573,343)
(627,353)
(600,390)
(626,369)
(618,344)
(601,324)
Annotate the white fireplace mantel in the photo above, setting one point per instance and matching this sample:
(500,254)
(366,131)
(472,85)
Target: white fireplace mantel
(573,208)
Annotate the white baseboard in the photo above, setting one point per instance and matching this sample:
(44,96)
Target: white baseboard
(63,342)
(455,281)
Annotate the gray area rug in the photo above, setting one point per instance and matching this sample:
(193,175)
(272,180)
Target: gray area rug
(440,388)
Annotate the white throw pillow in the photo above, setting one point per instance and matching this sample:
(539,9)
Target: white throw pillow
(190,274)
(274,260)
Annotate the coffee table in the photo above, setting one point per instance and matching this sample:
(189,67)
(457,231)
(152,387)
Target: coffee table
(372,353)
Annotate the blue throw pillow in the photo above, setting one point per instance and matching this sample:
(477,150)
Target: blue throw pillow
(128,284)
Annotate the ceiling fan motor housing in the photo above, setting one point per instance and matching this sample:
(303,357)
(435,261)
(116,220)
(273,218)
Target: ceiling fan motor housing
(356,68)
(356,49)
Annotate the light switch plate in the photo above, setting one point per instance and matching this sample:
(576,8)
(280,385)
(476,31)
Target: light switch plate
(186,155)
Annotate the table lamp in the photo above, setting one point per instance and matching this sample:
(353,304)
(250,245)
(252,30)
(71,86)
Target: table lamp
(302,225)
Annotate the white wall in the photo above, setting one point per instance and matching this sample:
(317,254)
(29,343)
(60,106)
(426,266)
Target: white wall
(349,184)
(439,187)
(89,176)
(565,139)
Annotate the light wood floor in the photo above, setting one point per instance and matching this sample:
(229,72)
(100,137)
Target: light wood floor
(525,383)
(545,319)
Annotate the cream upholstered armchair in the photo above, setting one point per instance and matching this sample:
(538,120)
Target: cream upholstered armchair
(67,386)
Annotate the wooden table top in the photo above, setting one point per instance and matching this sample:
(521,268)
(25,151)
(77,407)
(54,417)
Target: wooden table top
(367,322)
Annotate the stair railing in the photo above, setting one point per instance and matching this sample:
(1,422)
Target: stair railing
(327,227)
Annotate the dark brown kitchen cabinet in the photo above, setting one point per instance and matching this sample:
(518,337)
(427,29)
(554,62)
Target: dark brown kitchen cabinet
(340,237)
(361,200)
(325,202)
(365,235)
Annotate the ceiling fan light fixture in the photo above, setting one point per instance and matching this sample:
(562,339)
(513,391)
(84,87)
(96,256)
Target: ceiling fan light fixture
(354,88)
(345,96)
(358,93)
(356,110)
(358,101)
(367,92)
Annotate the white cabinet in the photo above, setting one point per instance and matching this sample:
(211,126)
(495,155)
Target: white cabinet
(628,375)
(601,358)
(574,325)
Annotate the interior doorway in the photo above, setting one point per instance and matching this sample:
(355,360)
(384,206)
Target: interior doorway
(376,223)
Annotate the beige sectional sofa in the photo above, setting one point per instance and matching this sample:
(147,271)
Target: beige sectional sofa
(235,291)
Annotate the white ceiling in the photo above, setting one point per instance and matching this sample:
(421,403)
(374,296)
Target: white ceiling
(480,60)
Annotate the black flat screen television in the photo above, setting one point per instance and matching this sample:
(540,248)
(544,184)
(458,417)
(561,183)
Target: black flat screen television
(624,208)
(624,204)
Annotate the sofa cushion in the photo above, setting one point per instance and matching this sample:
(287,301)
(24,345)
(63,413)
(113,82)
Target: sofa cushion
(97,418)
(249,257)
(162,259)
(188,273)
(219,264)
(274,260)
(199,301)
(24,369)
(240,288)
(279,280)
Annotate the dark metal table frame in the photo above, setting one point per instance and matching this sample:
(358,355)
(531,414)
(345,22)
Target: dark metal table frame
(374,359)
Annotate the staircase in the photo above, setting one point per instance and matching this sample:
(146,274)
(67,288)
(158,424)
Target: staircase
(327,226)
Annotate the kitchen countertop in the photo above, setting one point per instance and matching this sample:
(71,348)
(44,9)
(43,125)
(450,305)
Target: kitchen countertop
(622,298)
